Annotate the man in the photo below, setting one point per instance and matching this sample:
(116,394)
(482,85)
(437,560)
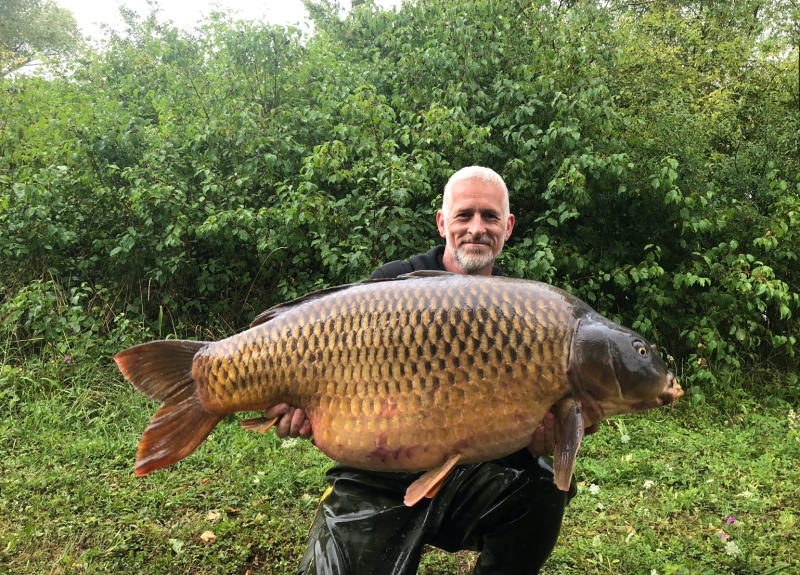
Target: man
(508,509)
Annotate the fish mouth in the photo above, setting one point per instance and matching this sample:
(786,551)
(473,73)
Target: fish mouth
(673,391)
(667,397)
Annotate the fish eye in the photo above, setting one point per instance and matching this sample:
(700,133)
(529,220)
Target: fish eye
(641,349)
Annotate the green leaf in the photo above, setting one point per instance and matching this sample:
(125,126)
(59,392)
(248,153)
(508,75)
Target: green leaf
(176,545)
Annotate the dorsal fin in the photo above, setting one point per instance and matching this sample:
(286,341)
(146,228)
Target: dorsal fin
(425,274)
(281,308)
(277,310)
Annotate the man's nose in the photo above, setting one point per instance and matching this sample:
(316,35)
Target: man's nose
(476,227)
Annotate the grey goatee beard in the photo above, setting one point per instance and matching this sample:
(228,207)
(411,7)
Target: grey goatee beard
(472,262)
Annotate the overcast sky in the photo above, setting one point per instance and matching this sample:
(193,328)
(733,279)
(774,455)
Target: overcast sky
(185,13)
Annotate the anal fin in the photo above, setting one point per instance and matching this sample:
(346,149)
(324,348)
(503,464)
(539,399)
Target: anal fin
(259,424)
(430,482)
(568,412)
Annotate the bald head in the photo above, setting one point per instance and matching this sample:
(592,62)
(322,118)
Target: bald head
(480,174)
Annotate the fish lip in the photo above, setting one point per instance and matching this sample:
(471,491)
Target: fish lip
(673,391)
(667,397)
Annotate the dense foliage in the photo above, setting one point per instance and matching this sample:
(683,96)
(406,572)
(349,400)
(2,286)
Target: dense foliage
(179,179)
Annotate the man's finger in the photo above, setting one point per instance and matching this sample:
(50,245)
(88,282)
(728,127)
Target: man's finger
(298,418)
(305,429)
(276,411)
(537,443)
(285,423)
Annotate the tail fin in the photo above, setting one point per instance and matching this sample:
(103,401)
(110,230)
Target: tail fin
(162,370)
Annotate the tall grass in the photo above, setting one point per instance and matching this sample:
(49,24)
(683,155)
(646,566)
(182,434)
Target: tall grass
(694,490)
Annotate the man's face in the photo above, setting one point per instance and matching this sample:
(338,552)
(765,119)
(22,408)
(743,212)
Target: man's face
(474,227)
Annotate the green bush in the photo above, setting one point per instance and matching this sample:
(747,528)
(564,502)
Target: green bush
(177,183)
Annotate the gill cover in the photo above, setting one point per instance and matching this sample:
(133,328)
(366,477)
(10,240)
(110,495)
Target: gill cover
(591,368)
(613,369)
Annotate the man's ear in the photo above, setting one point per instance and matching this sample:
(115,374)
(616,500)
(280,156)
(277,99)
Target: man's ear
(440,223)
(510,226)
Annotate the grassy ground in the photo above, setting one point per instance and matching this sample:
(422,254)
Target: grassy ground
(694,490)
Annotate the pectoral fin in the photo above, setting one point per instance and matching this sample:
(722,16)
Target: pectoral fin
(428,485)
(568,412)
(259,424)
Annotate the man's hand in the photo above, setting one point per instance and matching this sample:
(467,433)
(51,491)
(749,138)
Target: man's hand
(292,423)
(548,433)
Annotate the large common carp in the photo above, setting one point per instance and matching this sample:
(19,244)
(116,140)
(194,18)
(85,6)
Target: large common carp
(423,372)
